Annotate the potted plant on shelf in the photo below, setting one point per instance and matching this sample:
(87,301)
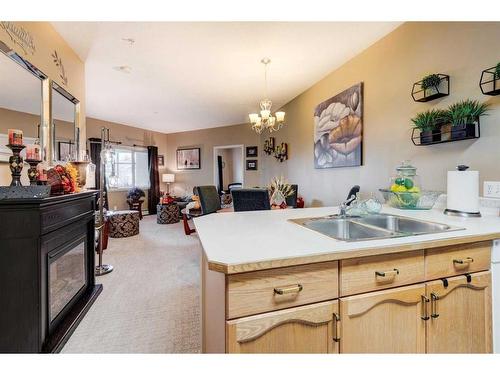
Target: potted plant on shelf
(431,83)
(428,123)
(463,117)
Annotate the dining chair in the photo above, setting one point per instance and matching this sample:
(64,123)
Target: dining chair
(291,200)
(209,198)
(250,199)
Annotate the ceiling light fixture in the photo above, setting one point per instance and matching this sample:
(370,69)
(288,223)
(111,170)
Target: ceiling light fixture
(266,120)
(130,41)
(123,68)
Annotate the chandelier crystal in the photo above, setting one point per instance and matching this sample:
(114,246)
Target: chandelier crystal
(265,120)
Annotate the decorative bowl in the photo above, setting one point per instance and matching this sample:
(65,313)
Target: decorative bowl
(422,200)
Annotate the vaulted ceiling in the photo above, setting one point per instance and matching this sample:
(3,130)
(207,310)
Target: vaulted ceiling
(184,76)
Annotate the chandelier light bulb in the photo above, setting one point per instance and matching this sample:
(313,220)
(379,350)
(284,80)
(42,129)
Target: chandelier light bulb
(265,114)
(253,117)
(280,116)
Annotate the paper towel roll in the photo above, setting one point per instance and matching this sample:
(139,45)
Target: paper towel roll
(463,191)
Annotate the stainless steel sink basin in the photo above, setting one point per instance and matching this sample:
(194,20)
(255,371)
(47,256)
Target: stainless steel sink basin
(346,230)
(371,227)
(403,224)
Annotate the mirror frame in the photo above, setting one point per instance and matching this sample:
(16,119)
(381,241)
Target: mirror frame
(52,129)
(43,131)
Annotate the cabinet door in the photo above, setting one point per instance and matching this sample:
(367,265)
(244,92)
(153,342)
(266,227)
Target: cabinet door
(306,329)
(388,321)
(460,315)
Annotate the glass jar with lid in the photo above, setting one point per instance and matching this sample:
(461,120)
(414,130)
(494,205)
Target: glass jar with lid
(406,179)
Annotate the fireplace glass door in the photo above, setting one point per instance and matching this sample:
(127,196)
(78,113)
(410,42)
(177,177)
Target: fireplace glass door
(66,277)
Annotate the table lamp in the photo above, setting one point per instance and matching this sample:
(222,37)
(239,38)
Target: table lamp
(168,178)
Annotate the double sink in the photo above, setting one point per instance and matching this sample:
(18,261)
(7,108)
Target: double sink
(371,227)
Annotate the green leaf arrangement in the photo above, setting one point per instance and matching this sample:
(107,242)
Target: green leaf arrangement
(281,185)
(431,80)
(430,120)
(466,112)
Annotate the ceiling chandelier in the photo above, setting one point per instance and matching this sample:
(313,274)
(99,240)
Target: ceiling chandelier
(266,120)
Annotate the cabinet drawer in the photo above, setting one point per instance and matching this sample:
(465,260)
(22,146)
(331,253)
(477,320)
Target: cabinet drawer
(261,291)
(366,274)
(457,260)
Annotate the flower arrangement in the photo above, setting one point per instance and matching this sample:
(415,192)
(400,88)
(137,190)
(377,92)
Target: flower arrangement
(135,194)
(279,190)
(63,180)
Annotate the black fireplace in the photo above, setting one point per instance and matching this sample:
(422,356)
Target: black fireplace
(66,278)
(46,270)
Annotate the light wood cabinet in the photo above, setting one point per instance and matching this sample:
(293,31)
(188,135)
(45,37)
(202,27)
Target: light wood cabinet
(460,315)
(419,301)
(306,329)
(387,321)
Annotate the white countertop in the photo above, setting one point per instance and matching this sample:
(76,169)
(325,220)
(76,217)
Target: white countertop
(232,240)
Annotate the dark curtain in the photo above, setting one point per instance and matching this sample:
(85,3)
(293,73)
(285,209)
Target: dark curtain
(154,179)
(95,155)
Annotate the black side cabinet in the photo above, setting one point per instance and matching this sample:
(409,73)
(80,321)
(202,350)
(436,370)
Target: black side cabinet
(47,281)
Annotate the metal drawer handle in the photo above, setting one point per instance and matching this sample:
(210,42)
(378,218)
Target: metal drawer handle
(424,315)
(467,260)
(434,299)
(393,273)
(288,289)
(336,329)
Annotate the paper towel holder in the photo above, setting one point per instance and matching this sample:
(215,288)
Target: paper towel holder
(449,212)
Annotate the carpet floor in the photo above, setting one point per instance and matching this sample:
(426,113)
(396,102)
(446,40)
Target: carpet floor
(151,300)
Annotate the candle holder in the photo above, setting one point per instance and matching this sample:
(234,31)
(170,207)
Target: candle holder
(16,164)
(33,171)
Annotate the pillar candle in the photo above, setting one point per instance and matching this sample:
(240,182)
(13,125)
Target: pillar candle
(33,152)
(15,137)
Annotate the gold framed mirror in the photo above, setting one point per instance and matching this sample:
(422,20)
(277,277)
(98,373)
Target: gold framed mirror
(65,129)
(21,101)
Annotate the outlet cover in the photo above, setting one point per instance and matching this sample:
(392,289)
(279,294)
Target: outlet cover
(491,189)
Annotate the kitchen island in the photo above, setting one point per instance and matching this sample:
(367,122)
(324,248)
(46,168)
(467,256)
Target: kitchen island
(270,285)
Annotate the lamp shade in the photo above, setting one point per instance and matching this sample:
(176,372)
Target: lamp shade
(168,177)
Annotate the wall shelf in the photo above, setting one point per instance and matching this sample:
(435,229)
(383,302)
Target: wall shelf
(443,89)
(490,82)
(449,134)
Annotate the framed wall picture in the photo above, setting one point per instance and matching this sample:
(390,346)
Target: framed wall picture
(161,160)
(64,150)
(251,165)
(188,158)
(252,151)
(338,130)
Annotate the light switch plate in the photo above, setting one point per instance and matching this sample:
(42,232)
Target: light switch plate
(491,189)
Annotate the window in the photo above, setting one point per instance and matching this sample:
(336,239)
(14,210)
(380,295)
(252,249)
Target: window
(130,166)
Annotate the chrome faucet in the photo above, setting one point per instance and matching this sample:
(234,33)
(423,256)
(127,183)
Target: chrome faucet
(345,204)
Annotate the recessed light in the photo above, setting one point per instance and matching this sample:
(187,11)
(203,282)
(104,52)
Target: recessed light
(123,68)
(130,41)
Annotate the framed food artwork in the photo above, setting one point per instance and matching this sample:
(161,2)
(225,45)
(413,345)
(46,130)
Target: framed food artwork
(338,130)
(188,158)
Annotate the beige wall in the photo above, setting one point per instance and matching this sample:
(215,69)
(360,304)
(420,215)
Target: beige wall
(206,139)
(46,41)
(128,135)
(388,69)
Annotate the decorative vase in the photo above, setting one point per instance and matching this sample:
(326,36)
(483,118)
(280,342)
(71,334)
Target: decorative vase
(81,167)
(16,164)
(33,171)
